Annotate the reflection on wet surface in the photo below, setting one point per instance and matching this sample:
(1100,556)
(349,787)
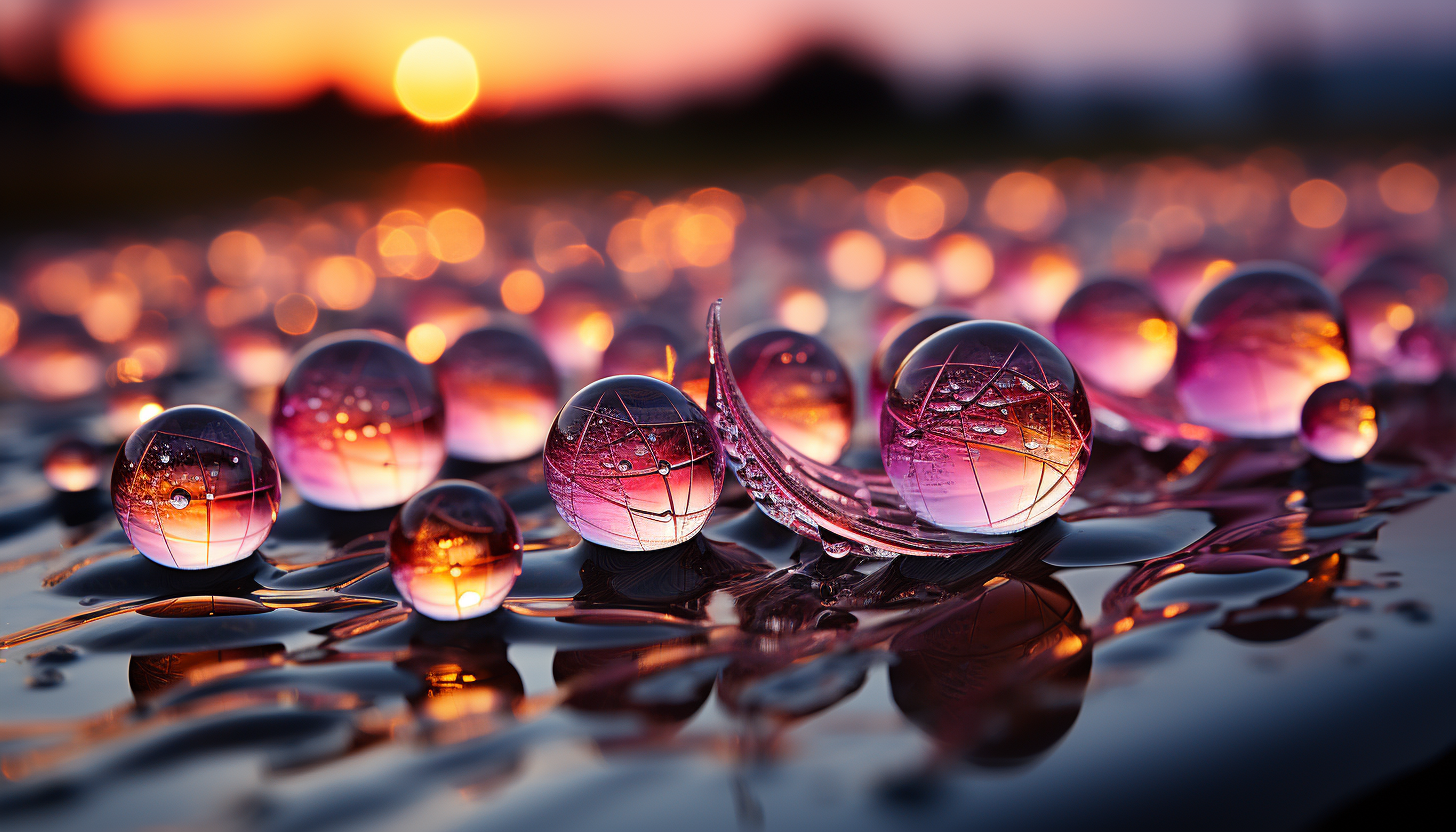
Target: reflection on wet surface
(1193,612)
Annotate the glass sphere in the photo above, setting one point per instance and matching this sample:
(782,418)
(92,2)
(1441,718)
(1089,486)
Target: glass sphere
(358,423)
(195,487)
(72,465)
(1337,423)
(1257,345)
(454,551)
(1118,336)
(643,350)
(899,341)
(1389,297)
(986,428)
(798,388)
(632,463)
(500,395)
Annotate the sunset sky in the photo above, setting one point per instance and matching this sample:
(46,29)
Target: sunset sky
(642,54)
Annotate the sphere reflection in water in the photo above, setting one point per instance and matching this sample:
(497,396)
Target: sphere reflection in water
(1000,677)
(1117,336)
(454,551)
(500,395)
(898,342)
(358,423)
(986,428)
(632,464)
(72,465)
(1257,345)
(195,487)
(798,388)
(1338,422)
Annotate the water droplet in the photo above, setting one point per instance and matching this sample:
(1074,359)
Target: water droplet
(624,466)
(663,468)
(179,499)
(1032,445)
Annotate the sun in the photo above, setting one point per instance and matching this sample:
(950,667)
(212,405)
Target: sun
(436,80)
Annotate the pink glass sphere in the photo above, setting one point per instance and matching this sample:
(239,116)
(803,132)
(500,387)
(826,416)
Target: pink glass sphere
(1257,345)
(1338,423)
(194,487)
(358,423)
(905,336)
(986,428)
(632,463)
(500,395)
(454,551)
(1118,336)
(798,388)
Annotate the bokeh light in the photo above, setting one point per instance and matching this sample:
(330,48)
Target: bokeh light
(1025,203)
(522,291)
(855,259)
(1318,203)
(1408,188)
(436,80)
(295,314)
(455,235)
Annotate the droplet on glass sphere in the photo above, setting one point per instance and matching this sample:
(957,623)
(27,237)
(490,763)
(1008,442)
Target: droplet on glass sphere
(798,388)
(454,551)
(72,465)
(359,423)
(662,499)
(1118,336)
(1338,422)
(1256,346)
(500,395)
(905,336)
(180,500)
(996,481)
(643,350)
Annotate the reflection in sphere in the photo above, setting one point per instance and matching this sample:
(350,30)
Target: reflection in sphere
(454,551)
(1338,423)
(72,465)
(798,388)
(632,464)
(898,342)
(1117,336)
(1001,677)
(986,428)
(643,350)
(500,395)
(359,423)
(1256,346)
(194,487)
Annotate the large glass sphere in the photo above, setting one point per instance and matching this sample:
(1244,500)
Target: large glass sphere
(1338,423)
(500,395)
(986,428)
(454,551)
(632,463)
(359,423)
(1257,345)
(1118,336)
(194,487)
(798,388)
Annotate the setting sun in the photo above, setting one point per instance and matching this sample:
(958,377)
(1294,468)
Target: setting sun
(436,80)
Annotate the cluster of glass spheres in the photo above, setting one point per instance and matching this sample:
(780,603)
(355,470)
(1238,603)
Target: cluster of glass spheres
(985,426)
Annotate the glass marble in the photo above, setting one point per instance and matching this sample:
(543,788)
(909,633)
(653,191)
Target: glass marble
(359,423)
(986,428)
(643,350)
(1256,346)
(1388,298)
(632,463)
(454,551)
(1118,336)
(798,388)
(72,465)
(195,487)
(903,337)
(1338,422)
(500,392)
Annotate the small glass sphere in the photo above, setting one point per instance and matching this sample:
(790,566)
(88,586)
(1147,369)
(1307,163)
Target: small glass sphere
(1118,336)
(1257,345)
(632,463)
(195,487)
(358,423)
(798,388)
(1386,300)
(1338,424)
(643,350)
(905,336)
(986,428)
(454,551)
(500,395)
(72,465)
